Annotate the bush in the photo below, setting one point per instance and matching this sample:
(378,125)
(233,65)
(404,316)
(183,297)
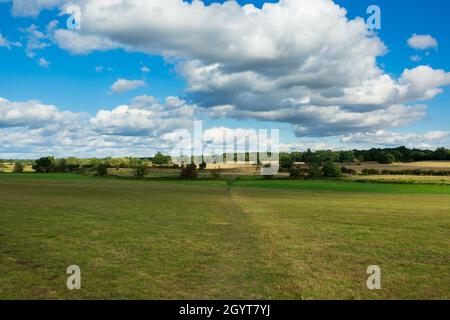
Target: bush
(294,172)
(216,174)
(101,169)
(348,171)
(371,172)
(189,172)
(140,170)
(18,167)
(330,169)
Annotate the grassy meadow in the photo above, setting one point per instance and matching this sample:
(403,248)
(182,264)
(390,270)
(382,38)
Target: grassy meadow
(248,239)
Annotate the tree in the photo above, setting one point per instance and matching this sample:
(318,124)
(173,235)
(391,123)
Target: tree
(312,158)
(18,167)
(441,154)
(330,169)
(314,170)
(286,161)
(189,172)
(161,159)
(203,166)
(44,165)
(347,156)
(386,158)
(102,169)
(297,156)
(140,170)
(60,165)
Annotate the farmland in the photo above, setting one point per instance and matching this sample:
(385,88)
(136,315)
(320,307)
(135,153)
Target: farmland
(246,239)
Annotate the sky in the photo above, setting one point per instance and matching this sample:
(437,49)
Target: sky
(137,72)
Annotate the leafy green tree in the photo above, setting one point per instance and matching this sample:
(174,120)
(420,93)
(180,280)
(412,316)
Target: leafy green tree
(60,165)
(18,167)
(331,169)
(94,163)
(101,169)
(140,170)
(161,159)
(386,158)
(297,156)
(347,156)
(44,165)
(441,154)
(286,161)
(312,158)
(314,170)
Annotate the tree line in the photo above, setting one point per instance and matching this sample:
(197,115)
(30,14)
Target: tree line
(319,163)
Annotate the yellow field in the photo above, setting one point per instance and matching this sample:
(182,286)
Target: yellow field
(429,164)
(9,167)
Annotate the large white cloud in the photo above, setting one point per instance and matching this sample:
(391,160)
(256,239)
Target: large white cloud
(286,58)
(144,117)
(297,61)
(32,129)
(30,114)
(321,121)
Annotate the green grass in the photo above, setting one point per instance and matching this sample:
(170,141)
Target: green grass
(255,239)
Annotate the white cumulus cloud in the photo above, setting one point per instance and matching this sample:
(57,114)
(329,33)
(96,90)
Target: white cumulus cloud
(422,42)
(267,63)
(123,85)
(303,62)
(145,116)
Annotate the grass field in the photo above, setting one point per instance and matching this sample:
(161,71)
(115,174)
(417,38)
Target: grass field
(212,239)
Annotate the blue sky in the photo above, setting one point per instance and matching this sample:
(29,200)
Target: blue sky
(71,82)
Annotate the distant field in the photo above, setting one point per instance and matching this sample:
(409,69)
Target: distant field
(402,179)
(251,239)
(430,164)
(426,165)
